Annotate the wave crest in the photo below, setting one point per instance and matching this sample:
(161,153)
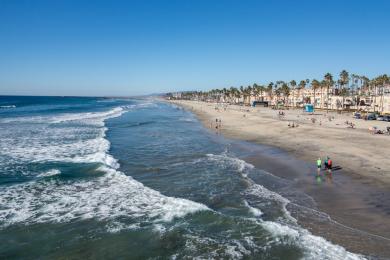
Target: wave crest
(80,138)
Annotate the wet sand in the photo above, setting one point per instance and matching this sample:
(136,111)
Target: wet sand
(350,212)
(349,209)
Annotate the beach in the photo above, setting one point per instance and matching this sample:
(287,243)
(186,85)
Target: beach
(354,150)
(140,178)
(358,194)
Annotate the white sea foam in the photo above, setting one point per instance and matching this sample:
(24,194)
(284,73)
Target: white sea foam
(87,117)
(227,248)
(239,164)
(8,106)
(109,197)
(187,119)
(315,247)
(264,193)
(254,211)
(59,144)
(49,173)
(113,196)
(92,117)
(289,231)
(148,104)
(75,137)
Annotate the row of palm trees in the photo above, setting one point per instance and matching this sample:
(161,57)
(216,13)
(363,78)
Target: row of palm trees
(347,85)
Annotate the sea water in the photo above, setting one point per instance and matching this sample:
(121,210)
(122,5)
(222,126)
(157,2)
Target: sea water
(137,179)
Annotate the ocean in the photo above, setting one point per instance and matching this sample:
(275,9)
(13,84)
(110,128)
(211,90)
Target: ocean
(136,179)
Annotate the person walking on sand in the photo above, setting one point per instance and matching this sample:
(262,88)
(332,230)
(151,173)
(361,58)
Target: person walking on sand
(329,165)
(319,164)
(326,162)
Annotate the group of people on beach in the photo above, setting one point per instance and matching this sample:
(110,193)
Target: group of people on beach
(281,115)
(350,124)
(327,164)
(218,125)
(292,125)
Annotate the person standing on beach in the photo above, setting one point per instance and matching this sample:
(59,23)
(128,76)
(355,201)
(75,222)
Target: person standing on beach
(326,162)
(329,165)
(319,164)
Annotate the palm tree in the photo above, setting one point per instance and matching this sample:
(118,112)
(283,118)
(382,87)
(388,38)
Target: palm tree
(315,84)
(235,94)
(354,84)
(285,90)
(301,86)
(322,86)
(344,80)
(242,92)
(362,89)
(231,94)
(386,81)
(375,82)
(248,92)
(277,93)
(293,84)
(382,80)
(329,82)
(256,91)
(224,92)
(262,89)
(365,83)
(269,90)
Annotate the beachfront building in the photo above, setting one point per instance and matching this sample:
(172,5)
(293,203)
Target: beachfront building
(322,98)
(386,104)
(348,93)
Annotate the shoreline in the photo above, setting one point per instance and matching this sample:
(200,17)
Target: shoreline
(356,203)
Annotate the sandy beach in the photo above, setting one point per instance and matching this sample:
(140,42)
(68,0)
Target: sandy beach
(354,150)
(356,200)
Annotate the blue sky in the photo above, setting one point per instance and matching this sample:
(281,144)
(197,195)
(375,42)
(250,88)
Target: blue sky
(139,47)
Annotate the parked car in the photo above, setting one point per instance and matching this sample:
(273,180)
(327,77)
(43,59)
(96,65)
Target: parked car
(370,117)
(357,116)
(386,118)
(260,103)
(379,118)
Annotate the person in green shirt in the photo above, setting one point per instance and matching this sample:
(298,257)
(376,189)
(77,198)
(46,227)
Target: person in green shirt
(319,164)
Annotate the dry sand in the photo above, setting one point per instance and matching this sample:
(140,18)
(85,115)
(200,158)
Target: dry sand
(355,150)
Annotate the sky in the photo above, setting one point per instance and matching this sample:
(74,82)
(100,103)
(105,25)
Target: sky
(123,48)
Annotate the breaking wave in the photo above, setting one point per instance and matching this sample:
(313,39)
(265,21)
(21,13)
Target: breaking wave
(284,230)
(79,138)
(8,106)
